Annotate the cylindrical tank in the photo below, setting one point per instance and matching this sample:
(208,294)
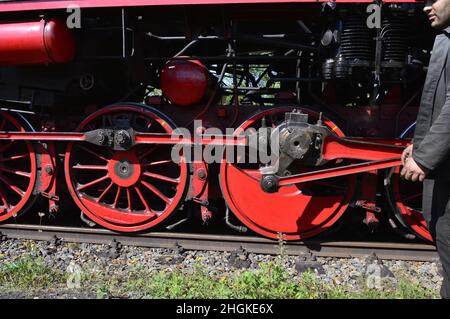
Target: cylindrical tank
(36,42)
(184,82)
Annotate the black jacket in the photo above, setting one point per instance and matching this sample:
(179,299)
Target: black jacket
(432,134)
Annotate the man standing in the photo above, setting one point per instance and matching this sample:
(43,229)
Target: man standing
(428,159)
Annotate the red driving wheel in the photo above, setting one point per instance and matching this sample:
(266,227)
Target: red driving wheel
(129,190)
(18,171)
(297,211)
(406,198)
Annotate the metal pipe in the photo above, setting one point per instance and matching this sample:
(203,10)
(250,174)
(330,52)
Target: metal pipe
(240,229)
(256,58)
(185,48)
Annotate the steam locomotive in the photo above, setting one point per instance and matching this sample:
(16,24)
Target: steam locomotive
(93,95)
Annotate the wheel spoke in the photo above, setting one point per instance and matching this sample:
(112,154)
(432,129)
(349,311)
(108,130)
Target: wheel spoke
(162,177)
(156,192)
(93,153)
(129,199)
(99,180)
(12,158)
(3,198)
(138,191)
(157,163)
(8,183)
(11,171)
(116,200)
(148,152)
(104,192)
(90,167)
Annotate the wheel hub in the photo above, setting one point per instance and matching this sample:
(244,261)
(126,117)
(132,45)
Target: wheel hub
(124,169)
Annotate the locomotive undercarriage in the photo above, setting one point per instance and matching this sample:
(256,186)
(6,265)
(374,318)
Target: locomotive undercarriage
(340,97)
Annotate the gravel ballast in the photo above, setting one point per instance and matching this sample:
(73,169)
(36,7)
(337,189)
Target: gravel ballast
(116,261)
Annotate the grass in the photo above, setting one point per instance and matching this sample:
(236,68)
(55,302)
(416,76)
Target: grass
(29,274)
(270,281)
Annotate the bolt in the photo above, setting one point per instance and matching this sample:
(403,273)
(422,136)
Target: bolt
(201,173)
(49,170)
(101,138)
(269,184)
(122,138)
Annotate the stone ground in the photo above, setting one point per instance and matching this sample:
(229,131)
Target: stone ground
(119,262)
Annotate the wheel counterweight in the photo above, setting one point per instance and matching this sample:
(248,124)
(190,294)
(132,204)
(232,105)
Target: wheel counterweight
(296,211)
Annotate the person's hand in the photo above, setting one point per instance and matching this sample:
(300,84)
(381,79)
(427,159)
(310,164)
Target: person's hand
(406,154)
(413,171)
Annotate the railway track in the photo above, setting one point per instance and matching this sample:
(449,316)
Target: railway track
(343,249)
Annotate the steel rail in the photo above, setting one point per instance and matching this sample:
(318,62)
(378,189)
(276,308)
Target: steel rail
(342,249)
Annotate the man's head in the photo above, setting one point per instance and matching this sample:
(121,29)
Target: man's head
(438,12)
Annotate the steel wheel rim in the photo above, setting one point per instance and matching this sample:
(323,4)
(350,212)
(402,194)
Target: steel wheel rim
(407,209)
(16,182)
(289,199)
(128,194)
(410,214)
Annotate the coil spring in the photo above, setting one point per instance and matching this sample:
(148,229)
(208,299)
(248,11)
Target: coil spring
(356,41)
(394,34)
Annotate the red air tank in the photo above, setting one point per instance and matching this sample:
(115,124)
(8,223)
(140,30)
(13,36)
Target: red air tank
(184,82)
(37,42)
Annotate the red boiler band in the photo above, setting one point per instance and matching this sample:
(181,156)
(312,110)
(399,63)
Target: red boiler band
(37,42)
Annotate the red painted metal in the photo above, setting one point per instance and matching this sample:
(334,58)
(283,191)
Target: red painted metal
(36,42)
(200,189)
(43,136)
(407,195)
(18,171)
(126,190)
(48,175)
(368,199)
(298,211)
(406,199)
(360,149)
(139,138)
(184,82)
(62,4)
(339,171)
